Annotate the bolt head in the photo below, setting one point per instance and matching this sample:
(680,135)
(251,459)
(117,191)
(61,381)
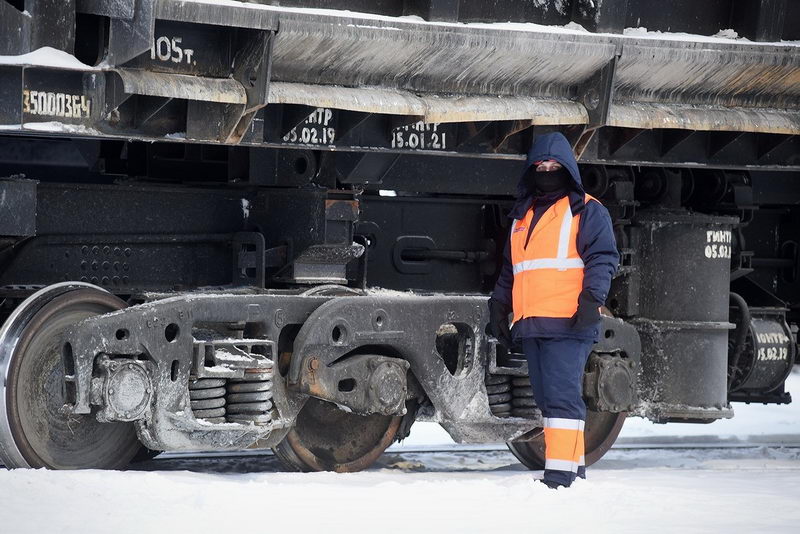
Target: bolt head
(592,99)
(280,318)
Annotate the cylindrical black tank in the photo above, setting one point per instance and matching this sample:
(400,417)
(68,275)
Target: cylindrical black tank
(683,322)
(768,355)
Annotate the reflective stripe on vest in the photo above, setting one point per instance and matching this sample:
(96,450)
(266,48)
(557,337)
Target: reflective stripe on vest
(548,272)
(562,264)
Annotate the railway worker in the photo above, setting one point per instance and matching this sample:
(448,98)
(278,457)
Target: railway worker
(556,273)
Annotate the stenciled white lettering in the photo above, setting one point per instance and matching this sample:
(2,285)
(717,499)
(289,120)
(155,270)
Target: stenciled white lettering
(316,129)
(420,136)
(54,104)
(169,49)
(718,244)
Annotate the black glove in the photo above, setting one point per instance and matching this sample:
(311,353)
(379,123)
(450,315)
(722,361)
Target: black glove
(498,321)
(588,313)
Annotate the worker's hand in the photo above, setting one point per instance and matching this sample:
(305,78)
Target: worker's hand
(498,322)
(588,313)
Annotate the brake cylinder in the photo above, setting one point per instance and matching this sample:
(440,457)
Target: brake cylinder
(683,322)
(767,356)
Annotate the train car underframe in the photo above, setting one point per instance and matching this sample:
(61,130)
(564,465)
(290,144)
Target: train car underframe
(323,321)
(243,225)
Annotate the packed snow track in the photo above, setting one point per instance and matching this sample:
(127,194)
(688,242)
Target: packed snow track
(716,488)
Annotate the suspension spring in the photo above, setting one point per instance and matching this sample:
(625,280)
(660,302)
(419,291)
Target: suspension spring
(207,399)
(522,402)
(498,388)
(250,398)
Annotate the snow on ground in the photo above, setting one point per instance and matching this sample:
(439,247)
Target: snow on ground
(726,495)
(746,489)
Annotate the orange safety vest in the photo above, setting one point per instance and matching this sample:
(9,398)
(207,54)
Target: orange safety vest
(548,273)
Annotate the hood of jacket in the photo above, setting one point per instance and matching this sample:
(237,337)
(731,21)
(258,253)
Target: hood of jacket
(556,147)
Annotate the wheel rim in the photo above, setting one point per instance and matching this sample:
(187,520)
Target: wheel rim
(42,434)
(600,433)
(326,438)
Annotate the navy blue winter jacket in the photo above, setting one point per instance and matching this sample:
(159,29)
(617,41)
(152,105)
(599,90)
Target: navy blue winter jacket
(596,244)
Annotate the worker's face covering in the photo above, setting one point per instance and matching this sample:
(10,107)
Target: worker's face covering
(546,181)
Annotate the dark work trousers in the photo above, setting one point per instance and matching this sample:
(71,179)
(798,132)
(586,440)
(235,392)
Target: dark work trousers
(556,369)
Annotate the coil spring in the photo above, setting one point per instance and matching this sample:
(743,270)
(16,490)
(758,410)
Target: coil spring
(207,399)
(522,403)
(498,388)
(250,398)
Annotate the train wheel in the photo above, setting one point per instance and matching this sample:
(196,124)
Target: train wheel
(600,433)
(33,430)
(326,438)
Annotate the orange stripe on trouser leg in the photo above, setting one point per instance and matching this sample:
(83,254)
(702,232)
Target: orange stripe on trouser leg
(562,444)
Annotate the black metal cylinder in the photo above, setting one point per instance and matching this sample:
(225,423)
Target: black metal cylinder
(768,353)
(683,302)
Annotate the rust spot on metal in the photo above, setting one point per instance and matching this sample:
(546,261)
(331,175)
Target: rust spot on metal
(284,360)
(344,210)
(325,450)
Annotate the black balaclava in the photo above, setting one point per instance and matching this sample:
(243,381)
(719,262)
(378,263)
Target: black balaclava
(545,182)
